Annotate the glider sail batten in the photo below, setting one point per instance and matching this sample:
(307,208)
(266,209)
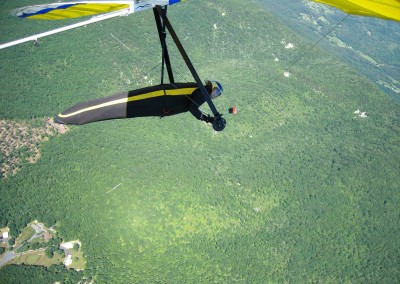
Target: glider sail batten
(384,9)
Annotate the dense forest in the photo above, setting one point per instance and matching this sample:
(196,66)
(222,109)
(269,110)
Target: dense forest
(297,188)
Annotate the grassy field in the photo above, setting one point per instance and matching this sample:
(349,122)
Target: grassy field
(297,188)
(37,258)
(25,235)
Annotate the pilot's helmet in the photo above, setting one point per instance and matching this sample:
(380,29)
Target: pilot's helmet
(216,88)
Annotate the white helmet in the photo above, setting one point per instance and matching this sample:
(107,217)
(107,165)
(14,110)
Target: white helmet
(216,88)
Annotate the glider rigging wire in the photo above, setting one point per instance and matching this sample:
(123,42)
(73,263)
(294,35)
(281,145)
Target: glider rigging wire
(121,42)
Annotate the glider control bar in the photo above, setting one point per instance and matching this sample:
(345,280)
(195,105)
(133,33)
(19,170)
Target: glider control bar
(219,122)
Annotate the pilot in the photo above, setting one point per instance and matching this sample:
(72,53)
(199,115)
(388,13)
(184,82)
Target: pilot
(214,89)
(161,100)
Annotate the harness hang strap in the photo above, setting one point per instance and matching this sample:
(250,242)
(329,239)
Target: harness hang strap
(166,62)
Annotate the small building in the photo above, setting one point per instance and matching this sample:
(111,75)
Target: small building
(68,260)
(5,235)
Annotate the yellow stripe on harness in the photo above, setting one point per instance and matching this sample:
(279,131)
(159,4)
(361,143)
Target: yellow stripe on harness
(159,93)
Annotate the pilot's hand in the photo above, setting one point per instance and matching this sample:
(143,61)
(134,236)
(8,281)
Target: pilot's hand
(209,119)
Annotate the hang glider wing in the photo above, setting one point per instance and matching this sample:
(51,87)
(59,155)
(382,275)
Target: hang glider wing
(384,9)
(99,10)
(61,11)
(69,10)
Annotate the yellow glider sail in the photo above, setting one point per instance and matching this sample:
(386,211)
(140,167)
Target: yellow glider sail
(60,11)
(69,10)
(384,9)
(103,10)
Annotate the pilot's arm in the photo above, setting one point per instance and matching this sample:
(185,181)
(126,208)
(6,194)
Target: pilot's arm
(197,100)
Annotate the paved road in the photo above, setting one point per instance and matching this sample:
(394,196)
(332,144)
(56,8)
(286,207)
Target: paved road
(7,257)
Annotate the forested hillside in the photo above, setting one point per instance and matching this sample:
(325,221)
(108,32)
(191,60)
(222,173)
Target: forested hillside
(297,188)
(371,45)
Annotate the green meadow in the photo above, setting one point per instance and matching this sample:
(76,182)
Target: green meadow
(298,188)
